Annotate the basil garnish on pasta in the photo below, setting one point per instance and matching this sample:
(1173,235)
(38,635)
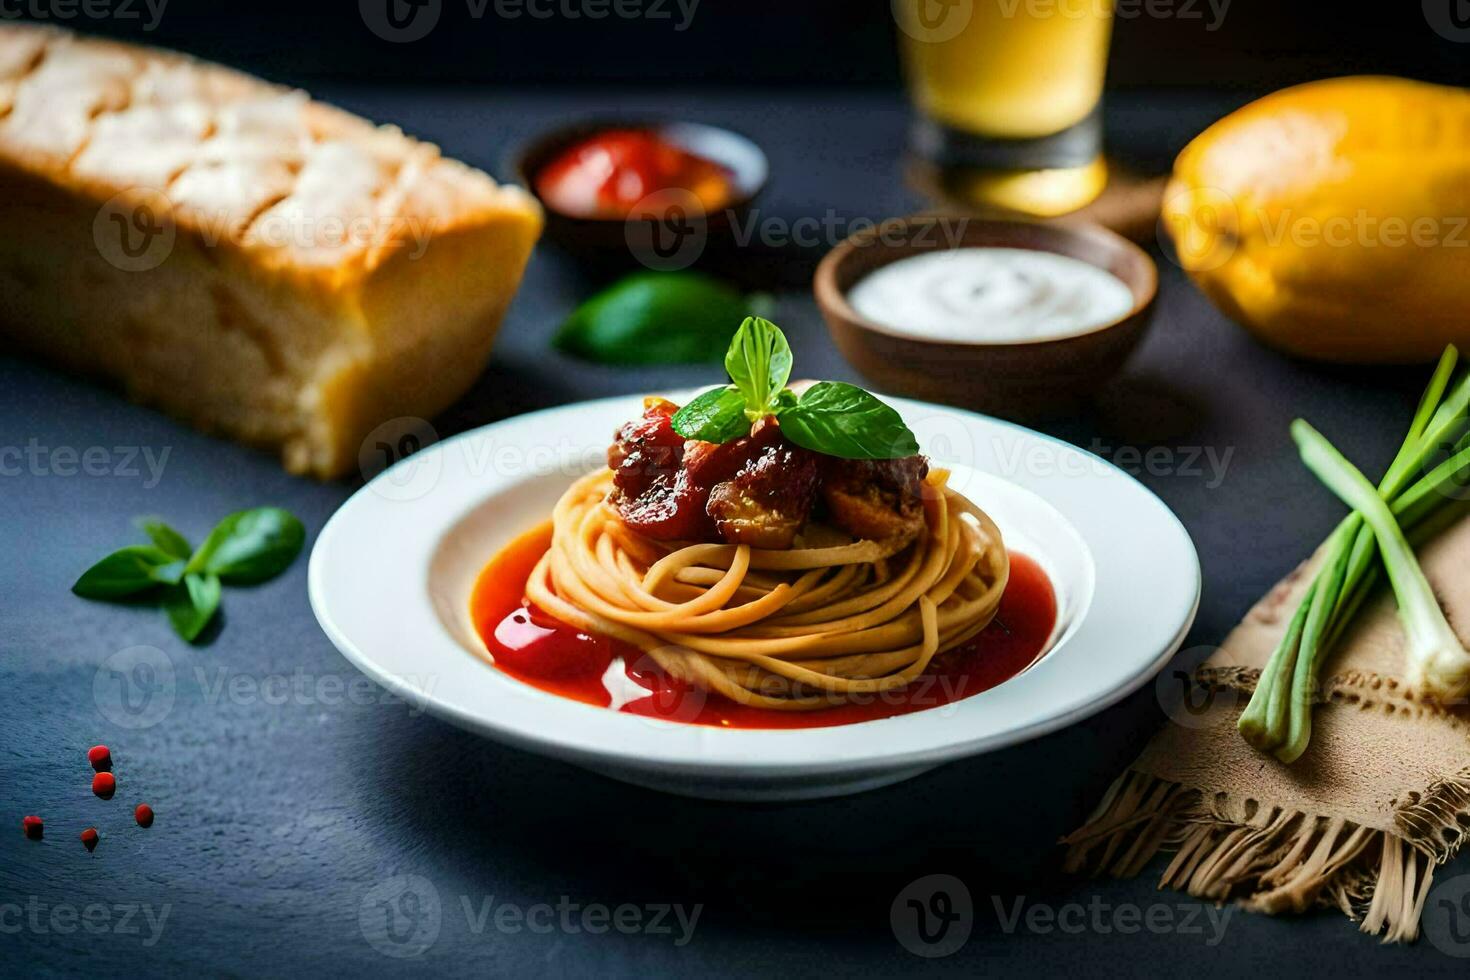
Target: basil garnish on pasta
(831,417)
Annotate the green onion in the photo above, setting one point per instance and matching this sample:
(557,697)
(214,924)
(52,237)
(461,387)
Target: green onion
(1438,665)
(1279,716)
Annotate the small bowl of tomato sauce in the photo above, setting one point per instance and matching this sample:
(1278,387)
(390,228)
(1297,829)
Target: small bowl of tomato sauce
(640,192)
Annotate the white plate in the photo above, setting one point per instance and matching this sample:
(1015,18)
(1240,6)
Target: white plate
(392,571)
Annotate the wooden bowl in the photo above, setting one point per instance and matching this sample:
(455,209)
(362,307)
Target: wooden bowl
(1016,380)
(615,242)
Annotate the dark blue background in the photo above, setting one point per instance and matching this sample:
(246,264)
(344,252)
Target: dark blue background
(277,820)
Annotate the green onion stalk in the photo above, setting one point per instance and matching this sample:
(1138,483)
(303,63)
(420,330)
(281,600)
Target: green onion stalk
(1385,524)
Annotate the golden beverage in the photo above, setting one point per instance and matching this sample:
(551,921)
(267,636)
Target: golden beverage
(1009,91)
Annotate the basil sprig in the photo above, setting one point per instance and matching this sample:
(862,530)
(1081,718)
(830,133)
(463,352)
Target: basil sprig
(830,417)
(246,547)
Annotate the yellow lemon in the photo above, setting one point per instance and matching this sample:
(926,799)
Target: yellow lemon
(1332,219)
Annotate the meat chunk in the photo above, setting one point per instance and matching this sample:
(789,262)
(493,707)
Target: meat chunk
(653,493)
(768,499)
(875,499)
(645,448)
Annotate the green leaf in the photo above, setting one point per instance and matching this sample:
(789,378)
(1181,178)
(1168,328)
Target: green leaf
(844,420)
(126,571)
(250,546)
(655,318)
(759,362)
(717,415)
(192,603)
(164,537)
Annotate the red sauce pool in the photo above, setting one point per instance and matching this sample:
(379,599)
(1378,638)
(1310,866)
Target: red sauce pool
(532,647)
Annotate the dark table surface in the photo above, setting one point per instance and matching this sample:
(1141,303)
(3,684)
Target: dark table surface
(292,797)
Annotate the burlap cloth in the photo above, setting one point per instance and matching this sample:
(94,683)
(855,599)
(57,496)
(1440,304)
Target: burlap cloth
(1359,822)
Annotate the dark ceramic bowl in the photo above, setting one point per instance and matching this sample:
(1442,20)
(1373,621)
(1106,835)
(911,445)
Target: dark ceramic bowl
(677,237)
(1017,380)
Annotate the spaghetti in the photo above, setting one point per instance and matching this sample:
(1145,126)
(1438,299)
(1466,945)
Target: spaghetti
(795,629)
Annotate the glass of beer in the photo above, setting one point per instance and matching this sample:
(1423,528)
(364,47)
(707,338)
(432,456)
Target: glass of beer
(1008,93)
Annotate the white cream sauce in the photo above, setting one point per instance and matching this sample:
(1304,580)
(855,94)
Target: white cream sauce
(991,295)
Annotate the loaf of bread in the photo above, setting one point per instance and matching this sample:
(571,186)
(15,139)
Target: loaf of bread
(258,264)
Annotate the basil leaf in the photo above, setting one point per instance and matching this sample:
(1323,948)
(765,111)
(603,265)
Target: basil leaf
(126,571)
(759,362)
(717,415)
(164,537)
(250,546)
(656,318)
(192,603)
(844,420)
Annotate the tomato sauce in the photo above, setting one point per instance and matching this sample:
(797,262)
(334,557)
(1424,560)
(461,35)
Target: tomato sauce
(607,175)
(532,647)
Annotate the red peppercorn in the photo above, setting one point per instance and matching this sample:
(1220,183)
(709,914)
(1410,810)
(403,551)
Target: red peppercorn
(104,785)
(100,758)
(144,815)
(89,838)
(34,827)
